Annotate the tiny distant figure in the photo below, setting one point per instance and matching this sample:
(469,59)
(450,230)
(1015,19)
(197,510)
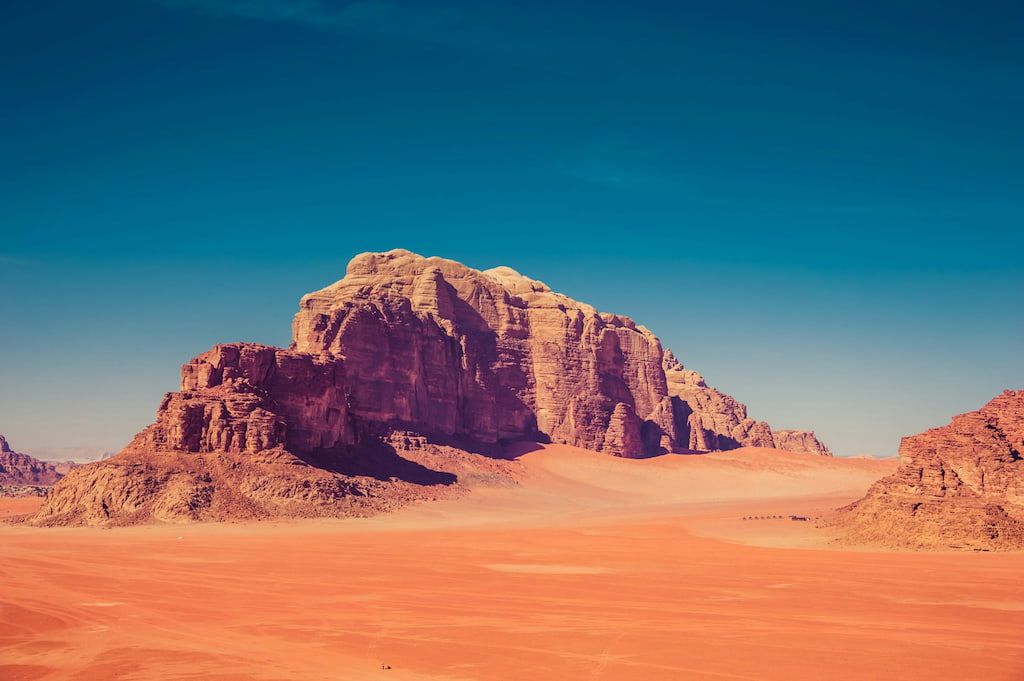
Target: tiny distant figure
(799,517)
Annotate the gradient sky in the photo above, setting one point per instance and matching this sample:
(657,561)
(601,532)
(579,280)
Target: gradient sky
(818,207)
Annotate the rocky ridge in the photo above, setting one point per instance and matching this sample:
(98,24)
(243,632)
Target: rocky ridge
(715,421)
(960,486)
(21,474)
(417,365)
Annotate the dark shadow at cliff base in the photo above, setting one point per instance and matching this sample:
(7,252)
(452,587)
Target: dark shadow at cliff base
(514,450)
(378,460)
(504,450)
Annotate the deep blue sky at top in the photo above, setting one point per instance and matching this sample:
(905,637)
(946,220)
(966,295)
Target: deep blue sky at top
(817,205)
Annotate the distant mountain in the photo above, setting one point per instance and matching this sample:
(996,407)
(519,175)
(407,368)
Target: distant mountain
(78,454)
(22,470)
(399,376)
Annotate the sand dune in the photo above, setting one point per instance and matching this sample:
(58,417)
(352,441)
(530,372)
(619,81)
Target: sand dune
(591,568)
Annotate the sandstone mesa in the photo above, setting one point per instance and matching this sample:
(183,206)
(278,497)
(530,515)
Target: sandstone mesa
(958,486)
(403,381)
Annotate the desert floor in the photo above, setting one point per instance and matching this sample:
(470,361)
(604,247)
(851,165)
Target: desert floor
(591,568)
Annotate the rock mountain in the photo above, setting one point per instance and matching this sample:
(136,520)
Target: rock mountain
(399,377)
(21,473)
(958,486)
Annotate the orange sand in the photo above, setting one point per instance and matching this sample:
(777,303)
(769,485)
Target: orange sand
(592,568)
(12,506)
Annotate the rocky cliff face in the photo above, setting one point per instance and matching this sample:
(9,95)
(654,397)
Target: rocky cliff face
(23,471)
(405,349)
(441,348)
(958,486)
(244,397)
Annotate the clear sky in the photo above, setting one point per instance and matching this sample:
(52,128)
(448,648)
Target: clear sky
(820,206)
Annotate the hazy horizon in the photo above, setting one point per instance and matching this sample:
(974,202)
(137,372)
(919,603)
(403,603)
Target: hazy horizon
(817,208)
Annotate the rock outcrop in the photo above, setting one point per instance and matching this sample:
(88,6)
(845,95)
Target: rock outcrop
(800,441)
(960,486)
(708,419)
(406,357)
(20,473)
(244,397)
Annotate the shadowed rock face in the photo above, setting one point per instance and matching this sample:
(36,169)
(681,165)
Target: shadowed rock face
(451,356)
(958,486)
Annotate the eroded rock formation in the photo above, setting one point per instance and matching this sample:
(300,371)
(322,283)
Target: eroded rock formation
(244,397)
(958,486)
(404,349)
(708,419)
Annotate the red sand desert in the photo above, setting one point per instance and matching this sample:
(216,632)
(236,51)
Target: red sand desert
(594,567)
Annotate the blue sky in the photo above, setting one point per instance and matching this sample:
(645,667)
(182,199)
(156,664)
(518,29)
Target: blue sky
(818,207)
